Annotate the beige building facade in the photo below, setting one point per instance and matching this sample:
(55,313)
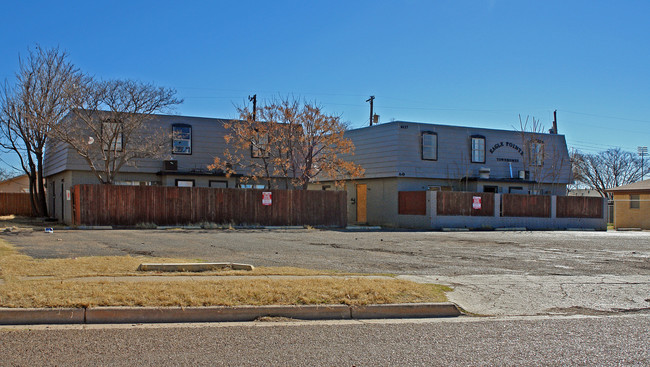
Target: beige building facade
(632,205)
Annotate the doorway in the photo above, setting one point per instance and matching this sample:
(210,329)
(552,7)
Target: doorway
(361,203)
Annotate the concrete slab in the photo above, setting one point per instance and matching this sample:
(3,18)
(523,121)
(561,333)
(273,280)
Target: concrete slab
(192,267)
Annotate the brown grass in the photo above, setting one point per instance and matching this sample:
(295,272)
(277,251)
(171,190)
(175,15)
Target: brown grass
(226,292)
(62,291)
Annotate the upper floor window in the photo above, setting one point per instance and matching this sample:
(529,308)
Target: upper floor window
(259,146)
(536,152)
(478,149)
(181,139)
(112,136)
(429,146)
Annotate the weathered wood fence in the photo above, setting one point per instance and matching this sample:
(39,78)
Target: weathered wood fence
(15,203)
(131,205)
(456,203)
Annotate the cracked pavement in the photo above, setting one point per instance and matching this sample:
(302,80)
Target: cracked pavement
(493,273)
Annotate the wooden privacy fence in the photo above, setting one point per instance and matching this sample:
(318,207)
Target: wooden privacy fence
(516,205)
(412,202)
(462,203)
(579,207)
(15,203)
(130,205)
(458,203)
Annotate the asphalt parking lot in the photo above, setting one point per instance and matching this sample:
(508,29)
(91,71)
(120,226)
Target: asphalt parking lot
(502,273)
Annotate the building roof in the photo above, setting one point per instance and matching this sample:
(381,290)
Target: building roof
(637,186)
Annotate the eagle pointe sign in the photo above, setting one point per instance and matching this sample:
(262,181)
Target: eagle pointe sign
(506,144)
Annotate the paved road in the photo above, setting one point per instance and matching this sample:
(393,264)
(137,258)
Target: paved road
(494,273)
(549,341)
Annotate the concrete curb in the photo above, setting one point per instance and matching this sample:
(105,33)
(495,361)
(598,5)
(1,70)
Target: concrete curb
(121,315)
(29,316)
(192,267)
(405,310)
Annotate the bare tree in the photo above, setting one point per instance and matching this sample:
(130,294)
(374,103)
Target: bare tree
(4,174)
(30,108)
(109,127)
(544,162)
(607,169)
(289,142)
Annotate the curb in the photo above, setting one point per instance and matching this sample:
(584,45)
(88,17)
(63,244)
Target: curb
(122,315)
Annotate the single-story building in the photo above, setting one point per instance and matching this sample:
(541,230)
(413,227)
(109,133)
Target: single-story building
(18,184)
(632,205)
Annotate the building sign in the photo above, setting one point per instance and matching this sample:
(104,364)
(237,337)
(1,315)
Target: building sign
(476,202)
(509,160)
(507,144)
(67,195)
(266,198)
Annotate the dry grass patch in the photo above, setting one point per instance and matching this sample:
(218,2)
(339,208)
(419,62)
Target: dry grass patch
(226,292)
(16,265)
(62,288)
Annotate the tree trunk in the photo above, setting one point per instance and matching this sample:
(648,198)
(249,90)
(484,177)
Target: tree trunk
(41,202)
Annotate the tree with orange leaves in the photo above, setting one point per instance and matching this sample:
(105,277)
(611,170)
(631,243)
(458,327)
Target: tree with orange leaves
(287,144)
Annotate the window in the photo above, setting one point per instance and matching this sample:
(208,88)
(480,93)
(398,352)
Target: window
(536,152)
(635,202)
(185,183)
(429,146)
(252,186)
(219,184)
(112,136)
(478,149)
(181,139)
(259,146)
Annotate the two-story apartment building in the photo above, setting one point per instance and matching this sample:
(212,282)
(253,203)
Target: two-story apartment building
(194,142)
(397,156)
(408,156)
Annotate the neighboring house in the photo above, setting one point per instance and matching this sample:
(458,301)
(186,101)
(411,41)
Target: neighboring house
(632,205)
(15,184)
(196,142)
(585,192)
(408,156)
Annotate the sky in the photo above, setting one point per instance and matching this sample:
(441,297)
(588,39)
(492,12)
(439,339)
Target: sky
(480,63)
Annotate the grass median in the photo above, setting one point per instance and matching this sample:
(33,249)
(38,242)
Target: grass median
(29,282)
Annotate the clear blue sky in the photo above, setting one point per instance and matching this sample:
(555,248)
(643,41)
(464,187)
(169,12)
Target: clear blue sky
(473,63)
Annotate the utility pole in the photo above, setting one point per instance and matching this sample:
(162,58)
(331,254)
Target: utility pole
(372,98)
(642,151)
(254,100)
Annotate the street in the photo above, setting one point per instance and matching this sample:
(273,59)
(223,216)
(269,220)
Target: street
(520,341)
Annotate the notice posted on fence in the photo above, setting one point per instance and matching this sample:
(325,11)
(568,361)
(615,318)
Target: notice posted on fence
(476,202)
(266,198)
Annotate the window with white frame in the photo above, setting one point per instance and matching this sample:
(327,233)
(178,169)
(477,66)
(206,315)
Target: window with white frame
(478,149)
(181,139)
(259,146)
(536,152)
(184,183)
(429,144)
(112,136)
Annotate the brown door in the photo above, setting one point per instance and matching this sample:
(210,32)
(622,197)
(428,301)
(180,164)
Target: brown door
(361,203)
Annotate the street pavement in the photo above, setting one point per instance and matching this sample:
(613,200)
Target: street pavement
(464,341)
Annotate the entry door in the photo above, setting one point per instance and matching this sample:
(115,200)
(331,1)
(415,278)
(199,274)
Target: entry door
(361,203)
